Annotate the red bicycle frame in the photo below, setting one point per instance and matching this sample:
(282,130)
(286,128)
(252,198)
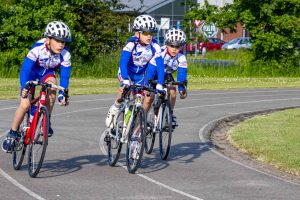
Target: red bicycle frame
(32,128)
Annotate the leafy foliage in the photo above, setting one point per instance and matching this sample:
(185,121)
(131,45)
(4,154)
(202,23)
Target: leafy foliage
(103,29)
(274,26)
(95,28)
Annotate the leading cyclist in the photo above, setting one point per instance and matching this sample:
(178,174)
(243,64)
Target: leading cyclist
(45,57)
(140,52)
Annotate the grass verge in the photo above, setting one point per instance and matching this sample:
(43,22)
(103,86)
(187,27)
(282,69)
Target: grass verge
(272,138)
(10,86)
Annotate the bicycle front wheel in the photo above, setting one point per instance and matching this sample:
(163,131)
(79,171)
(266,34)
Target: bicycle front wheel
(113,143)
(38,143)
(136,141)
(20,149)
(149,132)
(165,134)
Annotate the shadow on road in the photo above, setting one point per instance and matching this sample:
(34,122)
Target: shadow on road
(53,168)
(180,153)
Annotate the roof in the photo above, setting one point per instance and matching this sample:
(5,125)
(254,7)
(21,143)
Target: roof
(147,7)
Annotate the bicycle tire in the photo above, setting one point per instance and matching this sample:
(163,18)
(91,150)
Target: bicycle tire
(39,142)
(149,133)
(135,149)
(19,153)
(165,134)
(114,145)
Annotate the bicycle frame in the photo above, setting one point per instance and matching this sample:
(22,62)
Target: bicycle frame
(158,117)
(135,102)
(34,132)
(29,136)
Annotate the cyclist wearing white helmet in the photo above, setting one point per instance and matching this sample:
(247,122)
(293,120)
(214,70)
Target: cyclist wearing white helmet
(174,60)
(44,58)
(140,52)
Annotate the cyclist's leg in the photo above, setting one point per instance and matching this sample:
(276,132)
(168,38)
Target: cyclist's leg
(172,96)
(151,74)
(7,144)
(147,102)
(49,77)
(20,112)
(24,105)
(114,108)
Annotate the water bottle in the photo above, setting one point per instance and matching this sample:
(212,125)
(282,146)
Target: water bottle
(32,112)
(128,112)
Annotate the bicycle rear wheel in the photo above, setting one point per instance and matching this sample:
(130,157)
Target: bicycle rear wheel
(20,149)
(136,141)
(166,130)
(149,132)
(38,143)
(113,142)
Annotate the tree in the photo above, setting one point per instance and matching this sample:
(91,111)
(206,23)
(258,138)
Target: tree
(93,25)
(103,29)
(273,25)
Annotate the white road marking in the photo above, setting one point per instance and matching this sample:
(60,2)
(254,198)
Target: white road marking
(104,152)
(9,108)
(243,92)
(31,193)
(251,96)
(234,103)
(202,139)
(20,186)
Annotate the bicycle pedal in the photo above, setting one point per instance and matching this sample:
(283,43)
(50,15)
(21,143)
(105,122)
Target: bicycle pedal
(106,139)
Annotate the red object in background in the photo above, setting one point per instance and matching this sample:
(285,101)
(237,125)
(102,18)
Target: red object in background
(213,44)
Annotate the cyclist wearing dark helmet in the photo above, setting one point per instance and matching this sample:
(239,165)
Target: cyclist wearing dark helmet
(45,57)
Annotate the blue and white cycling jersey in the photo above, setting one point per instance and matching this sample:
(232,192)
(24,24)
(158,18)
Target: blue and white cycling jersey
(178,62)
(39,63)
(135,59)
(171,64)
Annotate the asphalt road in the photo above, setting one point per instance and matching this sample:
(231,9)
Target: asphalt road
(75,166)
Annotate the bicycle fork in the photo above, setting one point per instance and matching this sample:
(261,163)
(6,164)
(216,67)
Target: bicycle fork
(157,121)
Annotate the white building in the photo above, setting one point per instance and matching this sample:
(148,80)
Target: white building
(219,3)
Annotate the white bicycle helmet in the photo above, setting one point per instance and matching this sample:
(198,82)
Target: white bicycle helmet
(59,31)
(175,37)
(145,23)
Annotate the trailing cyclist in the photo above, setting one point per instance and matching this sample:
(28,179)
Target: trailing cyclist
(45,57)
(140,52)
(174,60)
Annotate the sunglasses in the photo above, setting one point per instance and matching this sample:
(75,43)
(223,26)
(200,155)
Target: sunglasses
(146,33)
(174,46)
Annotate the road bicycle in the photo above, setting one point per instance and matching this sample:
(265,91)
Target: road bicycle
(128,126)
(159,121)
(33,130)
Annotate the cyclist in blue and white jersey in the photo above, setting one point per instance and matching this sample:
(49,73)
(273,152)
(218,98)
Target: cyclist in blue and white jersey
(174,60)
(140,52)
(45,57)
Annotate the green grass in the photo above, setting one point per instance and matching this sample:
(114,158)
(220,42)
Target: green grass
(106,66)
(273,138)
(243,66)
(10,86)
